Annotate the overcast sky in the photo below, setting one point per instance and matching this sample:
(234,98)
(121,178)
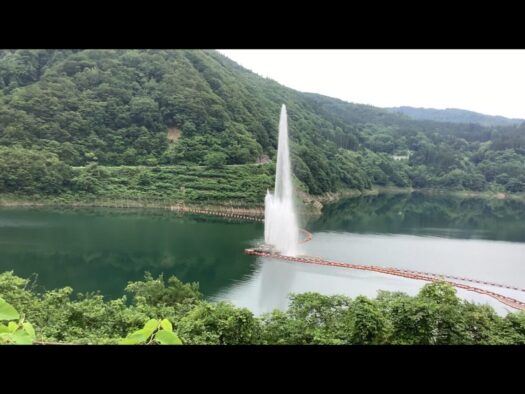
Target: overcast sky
(490,82)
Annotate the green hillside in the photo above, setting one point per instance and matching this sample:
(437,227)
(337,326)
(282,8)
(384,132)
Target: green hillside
(455,115)
(69,117)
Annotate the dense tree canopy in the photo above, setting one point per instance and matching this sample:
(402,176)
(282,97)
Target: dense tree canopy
(115,107)
(27,171)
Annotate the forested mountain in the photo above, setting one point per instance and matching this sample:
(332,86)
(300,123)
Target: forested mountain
(455,115)
(181,108)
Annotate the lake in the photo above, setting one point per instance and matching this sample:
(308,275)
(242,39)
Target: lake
(102,249)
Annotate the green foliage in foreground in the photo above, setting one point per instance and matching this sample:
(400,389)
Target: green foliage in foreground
(153,332)
(20,333)
(172,312)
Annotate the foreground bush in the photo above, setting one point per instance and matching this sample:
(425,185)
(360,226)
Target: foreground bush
(160,311)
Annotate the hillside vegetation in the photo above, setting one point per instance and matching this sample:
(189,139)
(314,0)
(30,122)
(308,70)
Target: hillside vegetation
(69,118)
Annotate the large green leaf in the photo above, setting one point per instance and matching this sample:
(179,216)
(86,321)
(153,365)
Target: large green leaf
(166,325)
(139,336)
(5,337)
(7,312)
(12,326)
(4,329)
(28,327)
(22,338)
(151,326)
(167,338)
(129,341)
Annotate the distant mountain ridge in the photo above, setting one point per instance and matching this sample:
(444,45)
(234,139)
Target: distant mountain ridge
(454,115)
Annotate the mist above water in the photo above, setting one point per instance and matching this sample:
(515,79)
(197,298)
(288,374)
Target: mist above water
(280,220)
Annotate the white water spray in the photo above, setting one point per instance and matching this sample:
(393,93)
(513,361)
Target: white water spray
(280,220)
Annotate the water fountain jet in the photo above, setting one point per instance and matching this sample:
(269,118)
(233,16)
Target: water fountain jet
(280,220)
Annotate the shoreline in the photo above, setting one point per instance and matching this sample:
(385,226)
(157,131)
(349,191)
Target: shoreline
(318,202)
(312,205)
(225,210)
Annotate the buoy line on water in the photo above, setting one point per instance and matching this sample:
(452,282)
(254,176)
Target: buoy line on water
(426,276)
(418,275)
(309,237)
(390,271)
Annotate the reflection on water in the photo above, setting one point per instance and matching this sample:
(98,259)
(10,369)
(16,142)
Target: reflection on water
(103,249)
(473,238)
(275,284)
(418,214)
(495,261)
(284,278)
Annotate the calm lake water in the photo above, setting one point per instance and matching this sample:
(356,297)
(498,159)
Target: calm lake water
(103,249)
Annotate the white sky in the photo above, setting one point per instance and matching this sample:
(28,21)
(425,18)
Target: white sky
(487,81)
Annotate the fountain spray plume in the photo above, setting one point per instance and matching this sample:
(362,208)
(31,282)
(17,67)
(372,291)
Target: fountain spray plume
(280,219)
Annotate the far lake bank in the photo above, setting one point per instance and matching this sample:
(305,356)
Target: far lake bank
(312,205)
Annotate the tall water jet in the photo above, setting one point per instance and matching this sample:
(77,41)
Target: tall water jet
(280,220)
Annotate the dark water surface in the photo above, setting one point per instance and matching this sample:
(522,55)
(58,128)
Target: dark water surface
(103,249)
